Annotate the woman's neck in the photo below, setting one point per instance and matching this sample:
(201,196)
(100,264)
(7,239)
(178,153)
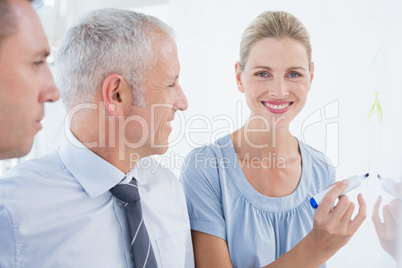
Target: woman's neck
(261,142)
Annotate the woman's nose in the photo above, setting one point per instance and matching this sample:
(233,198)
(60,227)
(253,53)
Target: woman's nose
(279,89)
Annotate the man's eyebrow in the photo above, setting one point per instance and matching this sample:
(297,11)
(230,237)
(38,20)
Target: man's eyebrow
(42,53)
(172,78)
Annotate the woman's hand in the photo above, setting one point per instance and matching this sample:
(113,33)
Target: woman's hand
(333,227)
(387,231)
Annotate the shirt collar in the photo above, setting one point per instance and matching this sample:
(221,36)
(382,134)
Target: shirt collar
(92,172)
(133,173)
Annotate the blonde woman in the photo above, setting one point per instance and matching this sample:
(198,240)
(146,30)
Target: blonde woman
(248,193)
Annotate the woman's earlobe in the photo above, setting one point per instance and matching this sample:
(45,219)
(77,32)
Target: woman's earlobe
(239,82)
(240,86)
(311,71)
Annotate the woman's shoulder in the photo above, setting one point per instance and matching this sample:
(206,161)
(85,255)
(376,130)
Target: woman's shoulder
(203,163)
(317,164)
(316,155)
(216,149)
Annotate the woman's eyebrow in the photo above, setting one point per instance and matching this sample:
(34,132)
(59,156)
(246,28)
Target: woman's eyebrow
(296,67)
(262,67)
(270,69)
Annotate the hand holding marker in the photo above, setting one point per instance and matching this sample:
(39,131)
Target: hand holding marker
(388,185)
(354,182)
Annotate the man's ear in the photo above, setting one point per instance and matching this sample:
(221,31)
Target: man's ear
(239,81)
(114,92)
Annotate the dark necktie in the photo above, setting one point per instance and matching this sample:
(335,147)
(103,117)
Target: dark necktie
(140,244)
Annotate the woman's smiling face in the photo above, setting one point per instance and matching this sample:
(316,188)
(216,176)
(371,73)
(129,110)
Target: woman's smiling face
(276,79)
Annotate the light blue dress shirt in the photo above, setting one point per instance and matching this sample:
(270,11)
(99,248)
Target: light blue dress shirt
(57,211)
(257,228)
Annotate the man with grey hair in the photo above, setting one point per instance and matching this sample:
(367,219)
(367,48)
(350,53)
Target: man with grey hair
(25,79)
(99,201)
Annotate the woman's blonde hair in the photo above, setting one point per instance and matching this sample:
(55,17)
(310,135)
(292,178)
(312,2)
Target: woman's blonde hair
(273,24)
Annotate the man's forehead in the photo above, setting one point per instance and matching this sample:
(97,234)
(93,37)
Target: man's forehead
(29,32)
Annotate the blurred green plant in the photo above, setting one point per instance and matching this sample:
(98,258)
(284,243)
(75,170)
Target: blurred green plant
(377,108)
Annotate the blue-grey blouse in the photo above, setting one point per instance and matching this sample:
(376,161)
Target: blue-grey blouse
(258,229)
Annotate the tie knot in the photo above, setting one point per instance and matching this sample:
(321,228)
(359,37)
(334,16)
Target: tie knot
(126,192)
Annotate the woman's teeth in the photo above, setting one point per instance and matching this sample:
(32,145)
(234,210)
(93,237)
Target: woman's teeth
(277,107)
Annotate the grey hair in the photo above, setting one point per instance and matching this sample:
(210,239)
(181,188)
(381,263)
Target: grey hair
(103,42)
(273,24)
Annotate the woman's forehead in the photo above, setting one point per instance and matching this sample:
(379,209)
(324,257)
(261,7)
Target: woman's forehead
(284,51)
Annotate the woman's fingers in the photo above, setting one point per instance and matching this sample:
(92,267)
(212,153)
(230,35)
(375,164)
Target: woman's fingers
(375,217)
(361,216)
(329,186)
(324,209)
(387,230)
(398,189)
(388,216)
(347,216)
(333,229)
(395,208)
(341,208)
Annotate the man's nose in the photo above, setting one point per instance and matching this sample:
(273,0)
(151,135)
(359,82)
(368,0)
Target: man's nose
(49,91)
(181,100)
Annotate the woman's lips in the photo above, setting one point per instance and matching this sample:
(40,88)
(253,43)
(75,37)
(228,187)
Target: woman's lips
(277,107)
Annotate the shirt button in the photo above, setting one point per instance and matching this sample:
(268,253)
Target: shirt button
(131,255)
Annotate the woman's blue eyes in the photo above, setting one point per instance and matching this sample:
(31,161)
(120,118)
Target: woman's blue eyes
(261,74)
(291,75)
(294,75)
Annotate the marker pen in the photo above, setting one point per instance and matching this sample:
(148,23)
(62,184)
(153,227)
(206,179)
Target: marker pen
(354,182)
(388,185)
